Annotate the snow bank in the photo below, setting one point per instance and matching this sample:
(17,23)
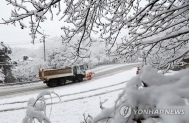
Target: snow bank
(160,92)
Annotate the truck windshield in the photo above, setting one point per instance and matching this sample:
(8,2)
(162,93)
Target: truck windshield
(81,67)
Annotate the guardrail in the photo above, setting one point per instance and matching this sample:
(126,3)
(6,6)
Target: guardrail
(19,83)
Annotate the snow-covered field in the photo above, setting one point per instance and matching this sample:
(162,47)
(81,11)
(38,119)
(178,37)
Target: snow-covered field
(76,99)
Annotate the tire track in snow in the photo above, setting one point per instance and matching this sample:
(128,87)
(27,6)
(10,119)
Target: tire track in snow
(68,100)
(71,93)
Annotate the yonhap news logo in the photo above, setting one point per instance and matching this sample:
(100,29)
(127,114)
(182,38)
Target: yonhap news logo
(159,111)
(126,111)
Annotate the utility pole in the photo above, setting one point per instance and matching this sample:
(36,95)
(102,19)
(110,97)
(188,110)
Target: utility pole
(43,37)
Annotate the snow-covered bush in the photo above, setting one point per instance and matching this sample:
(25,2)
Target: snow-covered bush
(150,91)
(57,56)
(36,108)
(28,70)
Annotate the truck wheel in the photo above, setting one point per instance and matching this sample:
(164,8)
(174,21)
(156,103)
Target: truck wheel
(48,84)
(80,79)
(62,82)
(74,80)
(53,83)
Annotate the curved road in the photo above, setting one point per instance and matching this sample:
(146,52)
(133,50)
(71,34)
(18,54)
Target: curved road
(41,86)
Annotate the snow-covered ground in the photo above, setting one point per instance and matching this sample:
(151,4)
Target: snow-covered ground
(76,99)
(110,67)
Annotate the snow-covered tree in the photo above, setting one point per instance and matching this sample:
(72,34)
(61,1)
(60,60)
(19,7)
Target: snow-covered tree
(153,24)
(28,70)
(5,63)
(149,97)
(58,55)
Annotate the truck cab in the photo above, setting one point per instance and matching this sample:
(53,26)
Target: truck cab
(79,69)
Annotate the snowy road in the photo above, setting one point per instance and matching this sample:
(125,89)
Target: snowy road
(76,99)
(100,72)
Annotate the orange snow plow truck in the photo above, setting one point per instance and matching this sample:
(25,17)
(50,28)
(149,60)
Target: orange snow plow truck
(58,77)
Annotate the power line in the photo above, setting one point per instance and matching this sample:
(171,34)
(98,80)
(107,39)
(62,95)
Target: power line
(29,41)
(26,32)
(24,43)
(13,33)
(52,32)
(21,42)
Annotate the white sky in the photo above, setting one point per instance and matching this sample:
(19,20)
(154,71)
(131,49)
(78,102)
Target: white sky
(16,37)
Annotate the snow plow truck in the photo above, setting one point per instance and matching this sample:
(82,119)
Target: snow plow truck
(58,77)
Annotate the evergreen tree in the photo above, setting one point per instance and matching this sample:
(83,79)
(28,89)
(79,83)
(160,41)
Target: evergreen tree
(6,65)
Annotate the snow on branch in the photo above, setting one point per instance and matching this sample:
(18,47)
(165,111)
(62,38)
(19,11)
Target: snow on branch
(36,14)
(158,39)
(36,108)
(155,103)
(106,19)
